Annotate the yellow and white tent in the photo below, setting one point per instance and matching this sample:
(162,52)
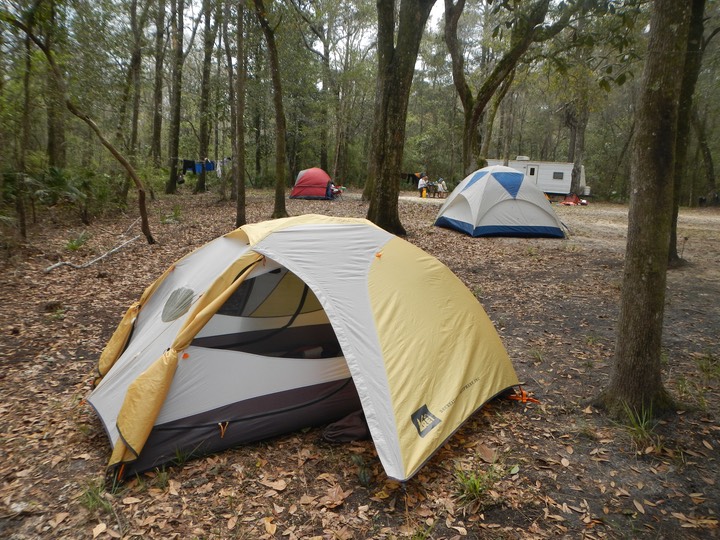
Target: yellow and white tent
(293,323)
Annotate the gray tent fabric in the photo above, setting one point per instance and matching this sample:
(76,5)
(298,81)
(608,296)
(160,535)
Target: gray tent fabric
(351,428)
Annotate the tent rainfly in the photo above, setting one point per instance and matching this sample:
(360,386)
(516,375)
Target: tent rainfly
(313,183)
(293,323)
(499,201)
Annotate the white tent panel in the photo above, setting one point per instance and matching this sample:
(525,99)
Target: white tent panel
(342,290)
(210,378)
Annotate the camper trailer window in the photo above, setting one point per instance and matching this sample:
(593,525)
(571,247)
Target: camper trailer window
(558,175)
(532,171)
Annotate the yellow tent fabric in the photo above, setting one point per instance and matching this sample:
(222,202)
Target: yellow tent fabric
(431,402)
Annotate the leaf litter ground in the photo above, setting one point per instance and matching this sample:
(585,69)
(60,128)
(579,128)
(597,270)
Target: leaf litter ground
(554,469)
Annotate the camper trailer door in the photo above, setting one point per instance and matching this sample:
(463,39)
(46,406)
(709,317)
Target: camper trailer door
(531,172)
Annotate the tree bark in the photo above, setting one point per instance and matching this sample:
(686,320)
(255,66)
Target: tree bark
(693,62)
(239,157)
(279,210)
(3,68)
(178,58)
(231,94)
(700,132)
(636,378)
(396,68)
(24,144)
(56,153)
(159,56)
(208,44)
(490,120)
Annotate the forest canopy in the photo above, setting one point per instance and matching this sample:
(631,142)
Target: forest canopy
(151,71)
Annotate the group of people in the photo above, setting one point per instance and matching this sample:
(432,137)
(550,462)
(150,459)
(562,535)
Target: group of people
(426,187)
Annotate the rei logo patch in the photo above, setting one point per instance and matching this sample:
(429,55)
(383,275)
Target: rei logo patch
(424,420)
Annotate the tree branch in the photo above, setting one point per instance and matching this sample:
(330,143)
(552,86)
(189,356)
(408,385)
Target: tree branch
(60,81)
(90,263)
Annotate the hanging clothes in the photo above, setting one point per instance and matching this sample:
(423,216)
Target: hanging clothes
(198,167)
(209,166)
(188,165)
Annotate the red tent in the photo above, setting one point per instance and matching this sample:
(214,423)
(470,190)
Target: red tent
(573,200)
(312,183)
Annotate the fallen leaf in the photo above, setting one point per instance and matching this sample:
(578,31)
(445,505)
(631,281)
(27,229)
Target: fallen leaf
(639,506)
(58,519)
(277,485)
(270,527)
(99,529)
(486,454)
(335,497)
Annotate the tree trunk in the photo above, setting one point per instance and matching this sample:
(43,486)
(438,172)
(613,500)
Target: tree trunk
(56,153)
(693,62)
(208,45)
(159,56)
(239,158)
(177,15)
(280,126)
(326,93)
(583,116)
(231,92)
(3,69)
(699,127)
(396,67)
(24,144)
(527,28)
(636,379)
(490,120)
(133,90)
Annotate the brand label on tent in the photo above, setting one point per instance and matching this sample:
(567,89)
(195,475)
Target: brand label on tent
(424,420)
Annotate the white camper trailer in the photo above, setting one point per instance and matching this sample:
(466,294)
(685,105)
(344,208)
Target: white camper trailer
(552,177)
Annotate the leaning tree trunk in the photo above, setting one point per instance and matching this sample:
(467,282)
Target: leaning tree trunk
(396,67)
(636,380)
(693,62)
(280,126)
(144,224)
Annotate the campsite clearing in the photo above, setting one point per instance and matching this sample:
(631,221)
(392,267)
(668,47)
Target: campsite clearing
(557,468)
